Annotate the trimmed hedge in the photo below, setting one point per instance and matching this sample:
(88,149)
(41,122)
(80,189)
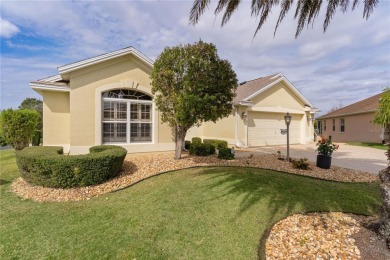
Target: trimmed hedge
(196,140)
(219,144)
(47,166)
(225,153)
(201,149)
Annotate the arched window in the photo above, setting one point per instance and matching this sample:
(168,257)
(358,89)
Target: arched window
(127,116)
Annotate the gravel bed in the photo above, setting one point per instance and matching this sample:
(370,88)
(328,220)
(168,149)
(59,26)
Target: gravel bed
(314,236)
(140,166)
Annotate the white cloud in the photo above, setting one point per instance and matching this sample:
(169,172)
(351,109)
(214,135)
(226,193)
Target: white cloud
(339,64)
(7,29)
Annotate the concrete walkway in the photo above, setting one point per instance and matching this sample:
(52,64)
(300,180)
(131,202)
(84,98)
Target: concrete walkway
(348,156)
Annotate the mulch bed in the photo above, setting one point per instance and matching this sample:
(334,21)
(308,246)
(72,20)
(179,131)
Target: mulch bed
(141,166)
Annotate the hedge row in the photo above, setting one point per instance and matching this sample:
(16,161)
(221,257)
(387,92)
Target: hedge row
(208,147)
(47,166)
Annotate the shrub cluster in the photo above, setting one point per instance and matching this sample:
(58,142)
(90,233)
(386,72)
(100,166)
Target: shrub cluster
(219,144)
(202,149)
(301,164)
(225,153)
(208,146)
(47,166)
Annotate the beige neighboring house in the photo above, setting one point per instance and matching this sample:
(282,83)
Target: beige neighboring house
(353,123)
(107,99)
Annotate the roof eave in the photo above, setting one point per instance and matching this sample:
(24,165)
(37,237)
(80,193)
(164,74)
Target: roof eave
(105,57)
(347,114)
(39,87)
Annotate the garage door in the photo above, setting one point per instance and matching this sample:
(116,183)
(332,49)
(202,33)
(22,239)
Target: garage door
(264,129)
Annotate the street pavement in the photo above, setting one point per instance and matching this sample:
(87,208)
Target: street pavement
(348,156)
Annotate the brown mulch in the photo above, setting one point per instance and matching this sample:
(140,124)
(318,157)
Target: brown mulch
(331,235)
(141,166)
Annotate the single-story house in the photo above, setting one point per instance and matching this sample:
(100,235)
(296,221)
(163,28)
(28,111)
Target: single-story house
(353,123)
(107,99)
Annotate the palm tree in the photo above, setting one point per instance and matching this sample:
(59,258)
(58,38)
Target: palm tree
(306,10)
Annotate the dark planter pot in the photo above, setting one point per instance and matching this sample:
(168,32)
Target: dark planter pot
(323,161)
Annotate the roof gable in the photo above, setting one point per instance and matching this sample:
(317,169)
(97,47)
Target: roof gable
(66,69)
(250,89)
(364,106)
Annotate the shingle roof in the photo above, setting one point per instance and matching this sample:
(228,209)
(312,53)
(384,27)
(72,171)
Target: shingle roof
(250,87)
(366,105)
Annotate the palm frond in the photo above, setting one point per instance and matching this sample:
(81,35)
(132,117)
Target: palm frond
(231,7)
(197,10)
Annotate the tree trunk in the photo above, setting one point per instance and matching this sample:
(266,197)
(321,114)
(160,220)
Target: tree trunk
(179,140)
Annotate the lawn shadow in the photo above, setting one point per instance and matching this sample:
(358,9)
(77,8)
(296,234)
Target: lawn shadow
(281,194)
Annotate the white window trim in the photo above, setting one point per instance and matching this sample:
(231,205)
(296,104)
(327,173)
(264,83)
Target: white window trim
(124,84)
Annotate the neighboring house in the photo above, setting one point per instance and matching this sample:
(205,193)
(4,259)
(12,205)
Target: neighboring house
(353,123)
(107,99)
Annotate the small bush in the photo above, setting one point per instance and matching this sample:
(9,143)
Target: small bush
(47,166)
(225,153)
(17,126)
(301,164)
(187,145)
(196,140)
(219,144)
(201,149)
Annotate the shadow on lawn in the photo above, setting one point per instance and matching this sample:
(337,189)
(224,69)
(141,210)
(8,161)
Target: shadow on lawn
(279,194)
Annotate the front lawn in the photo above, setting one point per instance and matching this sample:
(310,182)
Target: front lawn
(198,213)
(372,145)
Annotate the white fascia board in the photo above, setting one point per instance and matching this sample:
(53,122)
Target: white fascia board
(37,86)
(262,90)
(52,78)
(108,56)
(288,84)
(297,92)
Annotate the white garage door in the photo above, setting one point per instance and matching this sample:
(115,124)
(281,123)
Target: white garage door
(264,129)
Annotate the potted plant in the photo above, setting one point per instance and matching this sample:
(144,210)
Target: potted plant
(325,150)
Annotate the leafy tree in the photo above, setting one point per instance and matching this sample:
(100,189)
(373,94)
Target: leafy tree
(382,117)
(306,11)
(17,126)
(192,85)
(2,140)
(37,105)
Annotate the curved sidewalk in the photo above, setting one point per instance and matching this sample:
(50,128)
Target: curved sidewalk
(348,156)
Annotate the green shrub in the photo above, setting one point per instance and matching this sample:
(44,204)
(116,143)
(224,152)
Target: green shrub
(225,153)
(47,166)
(219,144)
(196,140)
(187,145)
(36,139)
(17,126)
(201,149)
(301,164)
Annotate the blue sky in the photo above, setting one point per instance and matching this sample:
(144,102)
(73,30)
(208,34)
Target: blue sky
(350,62)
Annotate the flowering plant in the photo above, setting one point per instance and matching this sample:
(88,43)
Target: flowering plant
(326,147)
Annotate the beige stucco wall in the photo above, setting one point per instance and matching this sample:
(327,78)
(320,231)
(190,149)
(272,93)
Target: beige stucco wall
(358,128)
(278,96)
(56,118)
(86,85)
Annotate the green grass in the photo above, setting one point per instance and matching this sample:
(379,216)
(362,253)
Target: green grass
(199,213)
(372,145)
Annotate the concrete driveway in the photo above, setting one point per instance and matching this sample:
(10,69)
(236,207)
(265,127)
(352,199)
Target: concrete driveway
(348,156)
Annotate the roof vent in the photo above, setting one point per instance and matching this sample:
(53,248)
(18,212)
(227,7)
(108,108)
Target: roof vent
(242,83)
